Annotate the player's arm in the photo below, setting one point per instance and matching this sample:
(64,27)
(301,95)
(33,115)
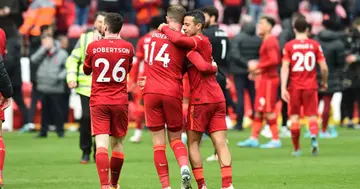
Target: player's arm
(320,59)
(134,73)
(179,39)
(87,63)
(274,56)
(203,66)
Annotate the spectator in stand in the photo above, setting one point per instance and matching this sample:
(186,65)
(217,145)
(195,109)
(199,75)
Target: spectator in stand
(232,11)
(256,9)
(244,47)
(35,44)
(82,11)
(351,94)
(203,3)
(51,83)
(287,8)
(332,43)
(145,10)
(9,8)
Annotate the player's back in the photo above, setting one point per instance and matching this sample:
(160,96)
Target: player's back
(111,62)
(303,56)
(204,88)
(220,41)
(164,67)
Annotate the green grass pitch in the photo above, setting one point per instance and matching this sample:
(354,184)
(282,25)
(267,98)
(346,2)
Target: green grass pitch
(53,164)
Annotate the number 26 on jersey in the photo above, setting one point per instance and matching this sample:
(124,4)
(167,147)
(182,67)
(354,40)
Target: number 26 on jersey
(115,71)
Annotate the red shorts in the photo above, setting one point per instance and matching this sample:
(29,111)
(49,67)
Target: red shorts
(266,94)
(306,98)
(161,109)
(2,115)
(109,119)
(207,117)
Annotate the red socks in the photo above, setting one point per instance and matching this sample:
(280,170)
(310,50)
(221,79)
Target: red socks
(314,128)
(226,176)
(180,152)
(274,128)
(295,134)
(256,127)
(161,165)
(116,163)
(102,165)
(199,176)
(2,155)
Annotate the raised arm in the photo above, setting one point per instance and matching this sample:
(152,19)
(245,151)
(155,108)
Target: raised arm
(203,66)
(179,39)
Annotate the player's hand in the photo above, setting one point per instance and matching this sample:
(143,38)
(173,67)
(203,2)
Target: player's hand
(323,87)
(141,83)
(72,84)
(252,65)
(161,26)
(285,95)
(350,59)
(251,77)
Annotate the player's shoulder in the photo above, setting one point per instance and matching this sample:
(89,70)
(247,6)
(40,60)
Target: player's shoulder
(2,32)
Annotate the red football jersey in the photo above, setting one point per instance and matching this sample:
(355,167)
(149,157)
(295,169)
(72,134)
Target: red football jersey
(204,88)
(303,56)
(270,57)
(142,49)
(164,67)
(110,61)
(2,43)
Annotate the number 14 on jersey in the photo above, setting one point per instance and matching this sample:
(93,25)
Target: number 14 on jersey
(161,55)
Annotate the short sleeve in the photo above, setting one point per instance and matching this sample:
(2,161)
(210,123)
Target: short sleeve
(286,53)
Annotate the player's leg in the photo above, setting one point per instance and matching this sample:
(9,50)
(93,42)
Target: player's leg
(194,140)
(172,108)
(258,116)
(271,94)
(325,115)
(100,117)
(294,106)
(155,122)
(217,129)
(119,127)
(257,124)
(136,138)
(2,149)
(310,102)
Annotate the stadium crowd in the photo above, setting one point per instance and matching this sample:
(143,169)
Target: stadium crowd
(54,35)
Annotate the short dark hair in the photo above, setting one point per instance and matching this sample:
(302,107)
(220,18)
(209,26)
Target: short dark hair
(100,13)
(269,20)
(211,11)
(301,25)
(156,21)
(198,17)
(296,15)
(176,13)
(45,27)
(114,22)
